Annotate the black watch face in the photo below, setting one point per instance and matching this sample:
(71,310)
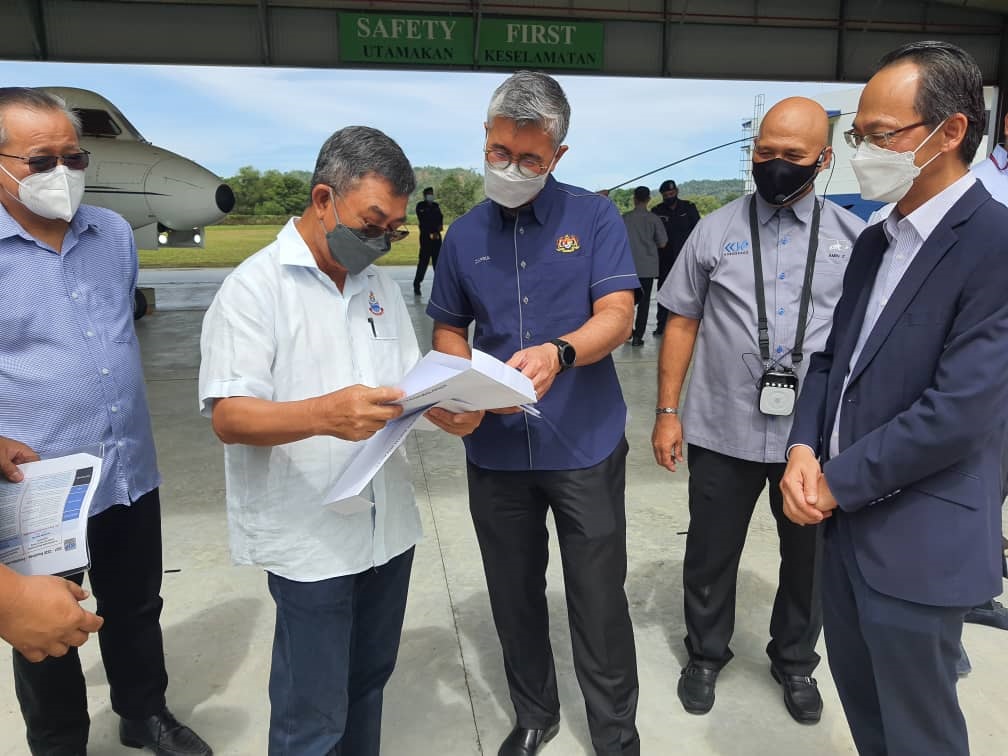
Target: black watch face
(567,355)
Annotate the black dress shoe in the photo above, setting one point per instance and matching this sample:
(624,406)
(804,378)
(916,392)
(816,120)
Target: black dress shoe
(416,291)
(525,742)
(801,696)
(657,331)
(992,614)
(162,734)
(637,342)
(696,688)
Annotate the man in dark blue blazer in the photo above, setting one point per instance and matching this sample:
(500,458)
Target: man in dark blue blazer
(900,427)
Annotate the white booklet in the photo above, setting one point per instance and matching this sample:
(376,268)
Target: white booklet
(438,380)
(43,519)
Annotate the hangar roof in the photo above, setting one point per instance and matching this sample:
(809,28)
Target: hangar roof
(828,40)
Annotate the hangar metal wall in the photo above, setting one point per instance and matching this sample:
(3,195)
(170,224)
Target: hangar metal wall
(739,39)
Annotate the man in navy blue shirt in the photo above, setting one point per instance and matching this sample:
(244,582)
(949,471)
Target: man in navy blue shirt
(545,271)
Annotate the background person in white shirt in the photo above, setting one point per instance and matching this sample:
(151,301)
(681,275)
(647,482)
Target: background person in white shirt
(293,346)
(993,171)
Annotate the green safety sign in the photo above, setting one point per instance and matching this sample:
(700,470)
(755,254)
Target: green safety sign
(448,41)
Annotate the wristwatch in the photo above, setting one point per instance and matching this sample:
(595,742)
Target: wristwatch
(565,352)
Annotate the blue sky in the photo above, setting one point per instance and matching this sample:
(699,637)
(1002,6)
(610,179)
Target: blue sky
(225,118)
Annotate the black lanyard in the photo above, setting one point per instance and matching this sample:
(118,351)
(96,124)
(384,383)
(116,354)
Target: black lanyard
(763,326)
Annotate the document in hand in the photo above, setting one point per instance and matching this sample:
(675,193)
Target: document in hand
(460,385)
(438,380)
(43,519)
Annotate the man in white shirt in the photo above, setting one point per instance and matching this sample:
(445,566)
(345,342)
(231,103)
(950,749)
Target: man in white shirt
(293,346)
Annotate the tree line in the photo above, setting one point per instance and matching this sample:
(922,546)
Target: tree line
(272,196)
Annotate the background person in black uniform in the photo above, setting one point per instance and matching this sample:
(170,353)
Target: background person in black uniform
(679,217)
(431,222)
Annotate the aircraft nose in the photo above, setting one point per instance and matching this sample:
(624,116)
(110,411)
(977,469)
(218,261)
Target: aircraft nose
(225,198)
(182,194)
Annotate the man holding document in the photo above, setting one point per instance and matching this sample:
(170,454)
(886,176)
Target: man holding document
(545,271)
(40,615)
(71,379)
(300,350)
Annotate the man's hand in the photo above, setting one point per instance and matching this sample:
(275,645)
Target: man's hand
(800,485)
(667,441)
(457,423)
(540,364)
(40,616)
(826,502)
(356,412)
(12,454)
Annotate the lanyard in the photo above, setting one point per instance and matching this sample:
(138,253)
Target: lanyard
(999,167)
(806,294)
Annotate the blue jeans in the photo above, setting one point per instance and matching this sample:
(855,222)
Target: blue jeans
(334,648)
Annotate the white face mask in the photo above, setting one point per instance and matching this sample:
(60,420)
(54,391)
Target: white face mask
(55,194)
(509,188)
(887,175)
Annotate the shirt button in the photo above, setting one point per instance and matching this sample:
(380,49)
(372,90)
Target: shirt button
(525,300)
(522,263)
(120,443)
(780,349)
(782,276)
(74,295)
(104,371)
(90,334)
(521,229)
(114,408)
(780,311)
(528,334)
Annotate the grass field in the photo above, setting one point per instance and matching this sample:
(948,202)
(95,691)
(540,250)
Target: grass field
(226,246)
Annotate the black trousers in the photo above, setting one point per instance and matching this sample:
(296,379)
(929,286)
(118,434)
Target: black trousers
(665,262)
(642,298)
(509,513)
(722,497)
(893,661)
(125,574)
(429,251)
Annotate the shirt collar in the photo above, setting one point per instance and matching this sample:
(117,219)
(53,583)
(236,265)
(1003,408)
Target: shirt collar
(802,209)
(292,248)
(926,218)
(539,208)
(1000,158)
(83,220)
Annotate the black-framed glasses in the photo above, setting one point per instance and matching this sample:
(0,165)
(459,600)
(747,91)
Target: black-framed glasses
(881,139)
(528,166)
(75,161)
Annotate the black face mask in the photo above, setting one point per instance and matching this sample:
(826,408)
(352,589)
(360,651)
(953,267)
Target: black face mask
(779,181)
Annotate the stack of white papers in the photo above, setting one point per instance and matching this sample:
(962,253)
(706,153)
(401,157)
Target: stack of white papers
(438,380)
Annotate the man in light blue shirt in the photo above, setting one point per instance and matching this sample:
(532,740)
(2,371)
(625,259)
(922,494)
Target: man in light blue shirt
(71,378)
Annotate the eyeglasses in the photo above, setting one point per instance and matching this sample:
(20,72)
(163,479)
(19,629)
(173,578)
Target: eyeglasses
(528,166)
(373,230)
(881,139)
(75,161)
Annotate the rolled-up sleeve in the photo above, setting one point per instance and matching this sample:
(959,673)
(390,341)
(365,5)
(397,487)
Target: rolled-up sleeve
(237,345)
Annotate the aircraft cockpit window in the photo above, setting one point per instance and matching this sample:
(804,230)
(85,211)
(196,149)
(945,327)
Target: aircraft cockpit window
(97,123)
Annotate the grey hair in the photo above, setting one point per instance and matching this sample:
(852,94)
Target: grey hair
(532,98)
(951,82)
(34,99)
(354,152)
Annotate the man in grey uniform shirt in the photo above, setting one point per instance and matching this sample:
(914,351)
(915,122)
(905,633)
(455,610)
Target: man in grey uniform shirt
(647,234)
(737,418)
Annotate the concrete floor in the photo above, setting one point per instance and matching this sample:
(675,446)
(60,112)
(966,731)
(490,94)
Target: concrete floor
(448,694)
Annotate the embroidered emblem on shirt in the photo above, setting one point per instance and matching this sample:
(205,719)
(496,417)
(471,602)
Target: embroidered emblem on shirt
(567,243)
(373,306)
(737,247)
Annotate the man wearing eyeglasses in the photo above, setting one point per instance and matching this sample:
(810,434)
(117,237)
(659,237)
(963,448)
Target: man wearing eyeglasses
(545,271)
(300,349)
(70,378)
(899,433)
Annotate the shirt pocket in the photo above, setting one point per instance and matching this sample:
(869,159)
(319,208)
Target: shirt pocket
(113,314)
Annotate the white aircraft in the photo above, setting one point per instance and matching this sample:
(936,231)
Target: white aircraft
(166,198)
